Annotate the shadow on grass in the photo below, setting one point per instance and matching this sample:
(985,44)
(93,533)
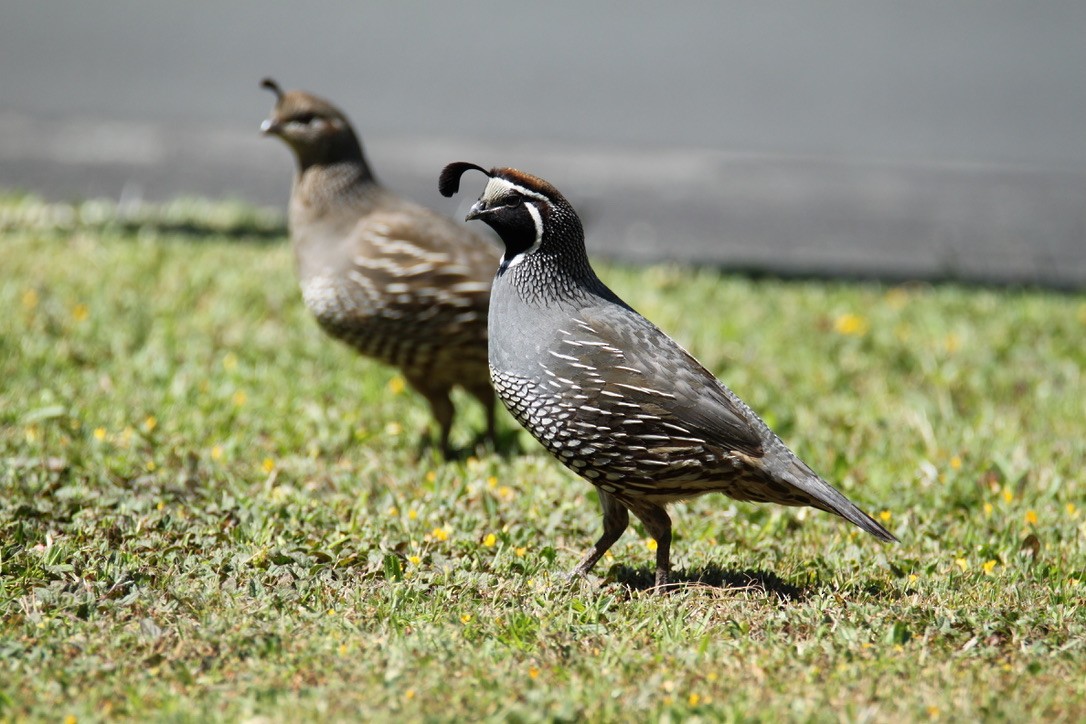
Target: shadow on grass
(505,447)
(766,582)
(712,576)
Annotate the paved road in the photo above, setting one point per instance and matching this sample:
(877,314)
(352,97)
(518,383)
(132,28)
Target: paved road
(919,140)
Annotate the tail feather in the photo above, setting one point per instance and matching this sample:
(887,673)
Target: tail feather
(826,497)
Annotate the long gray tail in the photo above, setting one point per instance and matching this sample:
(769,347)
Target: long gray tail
(826,497)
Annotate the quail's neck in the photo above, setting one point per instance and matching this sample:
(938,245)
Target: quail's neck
(339,148)
(321,188)
(565,278)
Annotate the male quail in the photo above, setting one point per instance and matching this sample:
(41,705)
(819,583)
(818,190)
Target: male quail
(392,279)
(606,392)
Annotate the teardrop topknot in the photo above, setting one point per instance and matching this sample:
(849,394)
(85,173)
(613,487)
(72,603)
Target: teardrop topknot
(273,87)
(449,182)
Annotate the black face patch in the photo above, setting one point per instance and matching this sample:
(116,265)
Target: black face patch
(515,226)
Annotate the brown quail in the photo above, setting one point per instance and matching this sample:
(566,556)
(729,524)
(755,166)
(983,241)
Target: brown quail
(610,395)
(394,280)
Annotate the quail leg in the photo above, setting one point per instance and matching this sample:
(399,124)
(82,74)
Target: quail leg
(615,521)
(485,395)
(442,408)
(658,523)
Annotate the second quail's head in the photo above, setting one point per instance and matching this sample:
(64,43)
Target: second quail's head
(317,131)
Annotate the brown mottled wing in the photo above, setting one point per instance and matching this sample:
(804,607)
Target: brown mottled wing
(422,262)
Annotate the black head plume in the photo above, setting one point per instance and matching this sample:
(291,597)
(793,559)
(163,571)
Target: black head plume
(449,183)
(273,87)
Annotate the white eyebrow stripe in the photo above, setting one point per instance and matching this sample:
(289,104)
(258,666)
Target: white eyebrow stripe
(498,187)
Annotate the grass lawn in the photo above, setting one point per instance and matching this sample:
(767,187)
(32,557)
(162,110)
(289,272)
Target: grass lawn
(210,510)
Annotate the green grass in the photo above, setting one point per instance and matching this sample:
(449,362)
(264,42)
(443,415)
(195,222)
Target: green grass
(209,510)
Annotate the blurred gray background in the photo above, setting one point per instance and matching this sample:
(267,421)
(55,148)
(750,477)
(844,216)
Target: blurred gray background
(896,140)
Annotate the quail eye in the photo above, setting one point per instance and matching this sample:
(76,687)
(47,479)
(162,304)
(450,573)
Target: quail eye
(304,118)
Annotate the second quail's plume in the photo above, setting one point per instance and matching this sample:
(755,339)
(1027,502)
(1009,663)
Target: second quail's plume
(607,393)
(392,279)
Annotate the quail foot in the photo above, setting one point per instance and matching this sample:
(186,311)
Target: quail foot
(610,395)
(394,280)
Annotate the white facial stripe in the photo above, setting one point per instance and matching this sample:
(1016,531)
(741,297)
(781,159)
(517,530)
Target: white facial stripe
(537,218)
(496,188)
(533,210)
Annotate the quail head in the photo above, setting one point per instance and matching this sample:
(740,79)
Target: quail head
(392,279)
(610,395)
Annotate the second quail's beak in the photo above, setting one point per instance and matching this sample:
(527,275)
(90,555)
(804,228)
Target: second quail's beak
(270,127)
(478,209)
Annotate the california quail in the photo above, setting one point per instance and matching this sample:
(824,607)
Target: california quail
(606,392)
(392,279)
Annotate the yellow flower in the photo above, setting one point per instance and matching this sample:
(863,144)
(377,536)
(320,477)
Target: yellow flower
(396,385)
(492,482)
(651,544)
(988,509)
(933,712)
(851,325)
(393,511)
(988,566)
(99,433)
(216,452)
(409,694)
(1031,517)
(240,398)
(955,463)
(1072,510)
(952,342)
(533,672)
(465,618)
(439,534)
(80,312)
(70,719)
(490,541)
(431,476)
(150,423)
(520,551)
(268,465)
(414,560)
(693,700)
(505,492)
(962,563)
(30,299)
(885,516)
(230,362)
(913,578)
(1008,495)
(412,514)
(342,650)
(151,466)
(896,298)
(393,429)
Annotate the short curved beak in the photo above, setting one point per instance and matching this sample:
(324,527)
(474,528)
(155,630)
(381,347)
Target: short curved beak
(269,127)
(477,210)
